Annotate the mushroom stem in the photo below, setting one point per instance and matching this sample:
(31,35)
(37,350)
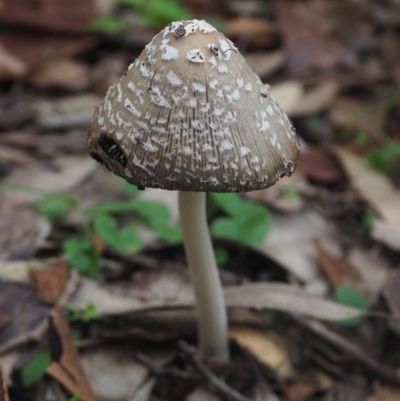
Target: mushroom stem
(211,311)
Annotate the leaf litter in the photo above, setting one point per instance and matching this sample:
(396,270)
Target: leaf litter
(315,287)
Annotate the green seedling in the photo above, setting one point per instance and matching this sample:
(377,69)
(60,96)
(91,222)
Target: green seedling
(246,222)
(34,370)
(350,297)
(86,315)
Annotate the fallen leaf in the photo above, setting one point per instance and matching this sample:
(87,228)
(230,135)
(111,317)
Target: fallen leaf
(3,386)
(378,191)
(51,281)
(265,63)
(35,47)
(365,115)
(319,165)
(288,95)
(266,347)
(385,394)
(317,99)
(66,173)
(69,370)
(22,231)
(66,112)
(115,374)
(112,300)
(309,47)
(26,313)
(338,270)
(290,243)
(57,16)
(251,32)
(61,74)
(11,67)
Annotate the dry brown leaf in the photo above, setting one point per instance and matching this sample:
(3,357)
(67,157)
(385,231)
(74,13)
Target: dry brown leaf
(378,191)
(112,300)
(59,16)
(115,374)
(62,74)
(3,386)
(288,95)
(358,114)
(11,67)
(385,394)
(308,46)
(266,63)
(51,281)
(266,347)
(69,362)
(319,165)
(67,173)
(35,47)
(251,32)
(22,231)
(317,99)
(66,112)
(338,270)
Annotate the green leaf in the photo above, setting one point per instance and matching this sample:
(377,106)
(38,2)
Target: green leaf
(130,189)
(386,159)
(247,223)
(368,219)
(158,216)
(82,256)
(126,239)
(76,397)
(86,315)
(109,24)
(288,193)
(55,206)
(221,255)
(110,207)
(350,297)
(33,371)
(158,13)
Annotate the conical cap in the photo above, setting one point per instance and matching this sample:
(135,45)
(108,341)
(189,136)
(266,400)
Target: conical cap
(190,114)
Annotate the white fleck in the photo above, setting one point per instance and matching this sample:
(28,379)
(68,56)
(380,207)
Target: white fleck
(235,96)
(206,108)
(173,79)
(265,125)
(187,151)
(244,151)
(204,26)
(218,112)
(131,108)
(248,87)
(179,114)
(196,56)
(168,52)
(162,120)
(192,102)
(225,145)
(206,147)
(222,68)
(254,160)
(270,110)
(240,82)
(196,124)
(213,83)
(144,71)
(149,147)
(281,121)
(198,87)
(101,121)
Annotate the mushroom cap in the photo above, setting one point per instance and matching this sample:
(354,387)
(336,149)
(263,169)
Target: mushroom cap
(190,114)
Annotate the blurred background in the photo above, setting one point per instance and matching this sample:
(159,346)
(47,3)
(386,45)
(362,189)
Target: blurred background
(81,246)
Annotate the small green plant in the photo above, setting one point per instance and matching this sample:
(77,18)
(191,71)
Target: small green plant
(386,159)
(76,397)
(350,297)
(86,315)
(109,24)
(288,193)
(368,219)
(246,222)
(34,370)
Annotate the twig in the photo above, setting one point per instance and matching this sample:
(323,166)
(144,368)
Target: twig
(220,386)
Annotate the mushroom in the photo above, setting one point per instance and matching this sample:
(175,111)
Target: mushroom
(191,115)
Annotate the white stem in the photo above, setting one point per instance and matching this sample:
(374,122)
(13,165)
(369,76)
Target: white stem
(211,311)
